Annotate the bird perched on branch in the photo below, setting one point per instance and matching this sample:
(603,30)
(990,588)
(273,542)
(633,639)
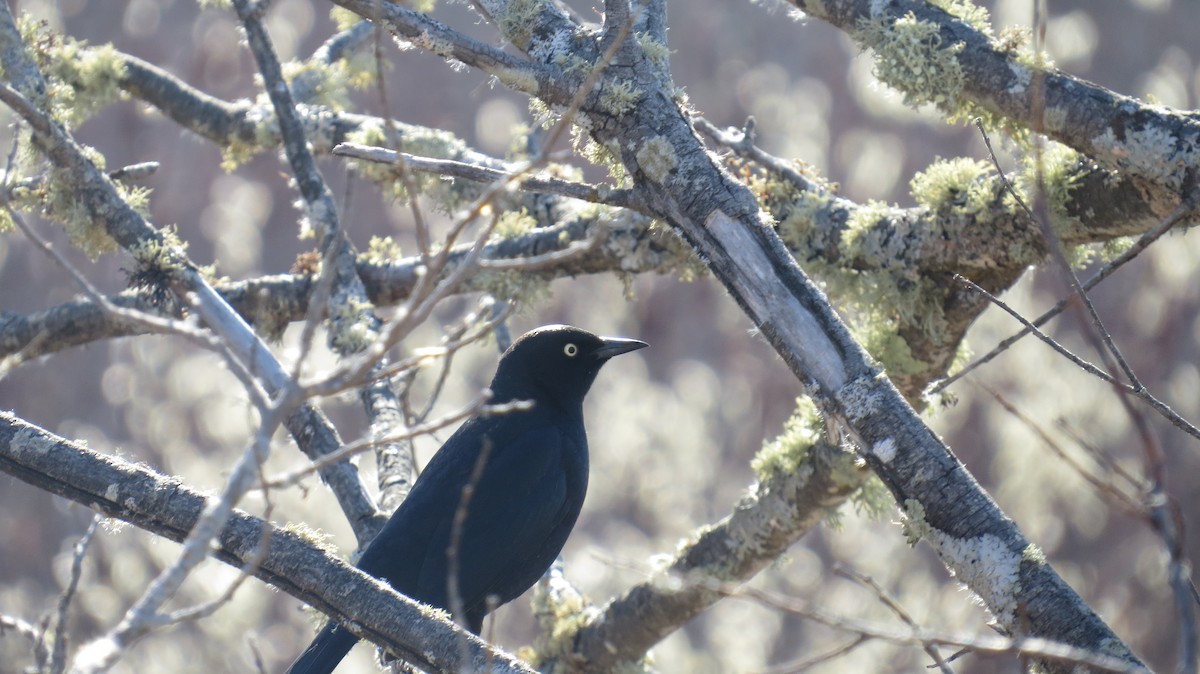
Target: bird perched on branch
(529,473)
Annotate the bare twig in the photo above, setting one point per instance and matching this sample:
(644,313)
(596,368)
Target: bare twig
(476,407)
(798,666)
(145,616)
(889,601)
(1168,223)
(58,658)
(1039,648)
(598,194)
(1106,488)
(1062,350)
(453,591)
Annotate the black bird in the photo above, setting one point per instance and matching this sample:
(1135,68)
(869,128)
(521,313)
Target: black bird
(524,504)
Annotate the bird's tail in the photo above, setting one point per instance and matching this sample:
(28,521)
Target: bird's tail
(325,652)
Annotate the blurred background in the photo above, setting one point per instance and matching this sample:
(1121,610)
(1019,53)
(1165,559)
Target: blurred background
(673,428)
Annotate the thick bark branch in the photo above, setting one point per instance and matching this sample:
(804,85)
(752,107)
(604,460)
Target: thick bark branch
(760,529)
(629,245)
(1158,145)
(722,221)
(99,197)
(168,508)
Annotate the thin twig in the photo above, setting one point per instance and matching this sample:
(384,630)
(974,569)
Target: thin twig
(476,407)
(597,194)
(454,592)
(58,658)
(1039,648)
(1107,489)
(1185,207)
(1062,350)
(798,666)
(889,601)
(1143,393)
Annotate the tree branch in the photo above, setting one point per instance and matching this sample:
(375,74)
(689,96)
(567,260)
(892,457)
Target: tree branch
(167,508)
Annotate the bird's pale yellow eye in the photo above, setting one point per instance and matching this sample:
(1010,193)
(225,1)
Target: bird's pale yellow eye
(571,350)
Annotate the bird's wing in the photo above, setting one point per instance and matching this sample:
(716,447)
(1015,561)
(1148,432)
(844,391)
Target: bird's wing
(521,513)
(517,519)
(518,515)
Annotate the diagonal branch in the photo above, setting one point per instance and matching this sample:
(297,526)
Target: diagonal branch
(1154,143)
(99,197)
(167,508)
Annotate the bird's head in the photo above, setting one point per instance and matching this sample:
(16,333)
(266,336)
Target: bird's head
(555,363)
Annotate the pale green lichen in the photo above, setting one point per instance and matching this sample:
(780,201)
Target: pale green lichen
(326,84)
(1055,119)
(94,75)
(571,63)
(1152,152)
(164,253)
(514,223)
(987,567)
(516,79)
(608,156)
(59,198)
(910,56)
(871,499)
(655,51)
(962,186)
(80,79)
(382,250)
(976,16)
(620,97)
(31,443)
(1034,555)
(787,454)
(265,134)
(448,195)
(1061,169)
(543,117)
(912,520)
(518,20)
(797,211)
(862,231)
(343,19)
(882,298)
(520,288)
(351,327)
(891,350)
(801,217)
(656,157)
(679,256)
(561,611)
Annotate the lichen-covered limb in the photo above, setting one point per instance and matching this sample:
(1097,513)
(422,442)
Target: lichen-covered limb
(438,38)
(629,245)
(106,210)
(167,508)
(980,76)
(252,126)
(874,255)
(353,323)
(776,513)
(944,506)
(722,220)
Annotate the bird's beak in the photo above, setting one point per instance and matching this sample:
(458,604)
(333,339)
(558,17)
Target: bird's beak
(615,346)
